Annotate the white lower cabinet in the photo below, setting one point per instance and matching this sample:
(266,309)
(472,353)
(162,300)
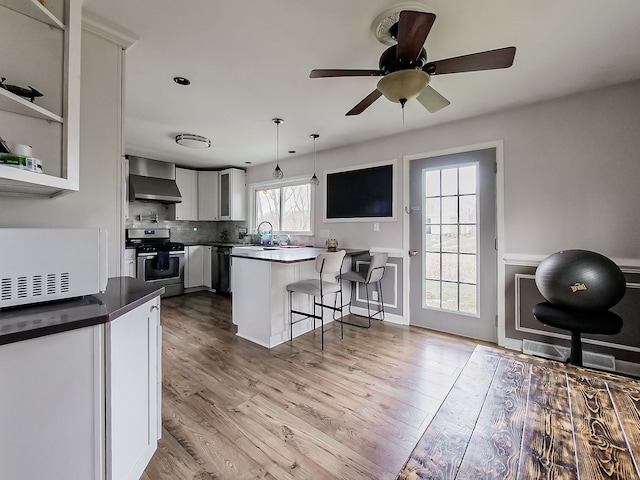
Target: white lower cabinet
(129,267)
(194,266)
(207,266)
(133,403)
(85,403)
(51,407)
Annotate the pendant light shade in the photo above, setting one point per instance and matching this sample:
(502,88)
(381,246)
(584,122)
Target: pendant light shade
(277,172)
(314,180)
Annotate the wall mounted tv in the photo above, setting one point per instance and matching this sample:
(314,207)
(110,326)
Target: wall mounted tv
(362,194)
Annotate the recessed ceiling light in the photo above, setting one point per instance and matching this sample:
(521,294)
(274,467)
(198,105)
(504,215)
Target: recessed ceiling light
(192,141)
(182,81)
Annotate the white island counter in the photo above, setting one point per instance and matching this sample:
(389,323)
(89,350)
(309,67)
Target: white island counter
(259,278)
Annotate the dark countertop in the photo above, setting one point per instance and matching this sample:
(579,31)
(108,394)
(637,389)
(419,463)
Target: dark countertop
(214,244)
(123,294)
(287,255)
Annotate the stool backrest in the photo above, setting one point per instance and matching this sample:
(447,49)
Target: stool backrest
(330,262)
(376,267)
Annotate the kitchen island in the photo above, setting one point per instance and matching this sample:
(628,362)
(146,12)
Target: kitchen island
(259,277)
(81,385)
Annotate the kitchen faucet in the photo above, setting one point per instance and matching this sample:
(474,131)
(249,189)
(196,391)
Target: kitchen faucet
(265,240)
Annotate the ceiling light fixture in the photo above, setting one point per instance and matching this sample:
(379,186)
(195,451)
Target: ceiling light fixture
(314,180)
(182,81)
(403,85)
(192,141)
(277,173)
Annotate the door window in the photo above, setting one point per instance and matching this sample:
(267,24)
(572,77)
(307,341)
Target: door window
(451,238)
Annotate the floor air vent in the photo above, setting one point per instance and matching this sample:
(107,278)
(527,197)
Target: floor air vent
(561,354)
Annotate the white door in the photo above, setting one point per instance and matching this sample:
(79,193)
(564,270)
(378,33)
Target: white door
(452,265)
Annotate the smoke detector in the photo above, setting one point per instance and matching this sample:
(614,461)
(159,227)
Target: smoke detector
(384,21)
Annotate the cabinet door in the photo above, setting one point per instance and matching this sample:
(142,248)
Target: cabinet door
(194,266)
(232,194)
(208,196)
(225,186)
(207,267)
(132,368)
(51,412)
(187,181)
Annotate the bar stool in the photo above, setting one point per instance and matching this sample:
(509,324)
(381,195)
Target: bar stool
(328,264)
(374,276)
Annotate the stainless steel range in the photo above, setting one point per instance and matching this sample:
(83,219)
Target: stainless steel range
(159,260)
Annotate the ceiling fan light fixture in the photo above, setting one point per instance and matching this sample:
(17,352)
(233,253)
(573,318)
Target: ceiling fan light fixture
(403,84)
(192,141)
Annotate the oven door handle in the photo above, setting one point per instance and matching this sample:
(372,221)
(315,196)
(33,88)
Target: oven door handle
(153,254)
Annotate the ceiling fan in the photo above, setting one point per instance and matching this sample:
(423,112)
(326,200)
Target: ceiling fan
(405,70)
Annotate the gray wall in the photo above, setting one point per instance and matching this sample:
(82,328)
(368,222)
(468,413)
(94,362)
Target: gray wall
(98,203)
(571,174)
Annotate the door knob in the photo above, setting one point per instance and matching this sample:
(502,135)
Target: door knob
(413,253)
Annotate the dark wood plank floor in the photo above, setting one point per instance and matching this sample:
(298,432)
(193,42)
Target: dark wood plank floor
(513,416)
(235,410)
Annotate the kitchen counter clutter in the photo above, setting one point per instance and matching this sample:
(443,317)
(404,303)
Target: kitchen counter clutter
(81,383)
(259,277)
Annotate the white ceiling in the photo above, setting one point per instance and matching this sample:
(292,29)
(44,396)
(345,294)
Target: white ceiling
(249,61)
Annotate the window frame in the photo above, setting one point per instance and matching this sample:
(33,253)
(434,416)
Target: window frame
(457,311)
(272,184)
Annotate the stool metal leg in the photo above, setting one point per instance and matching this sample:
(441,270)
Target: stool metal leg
(290,316)
(321,322)
(381,299)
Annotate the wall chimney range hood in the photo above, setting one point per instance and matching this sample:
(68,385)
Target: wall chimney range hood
(152,180)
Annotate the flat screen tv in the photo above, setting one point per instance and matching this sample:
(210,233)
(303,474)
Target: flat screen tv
(362,194)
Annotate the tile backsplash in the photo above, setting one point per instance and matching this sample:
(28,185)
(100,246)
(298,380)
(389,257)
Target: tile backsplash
(156,215)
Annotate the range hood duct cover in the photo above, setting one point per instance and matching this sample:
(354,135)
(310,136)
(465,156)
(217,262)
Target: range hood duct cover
(152,180)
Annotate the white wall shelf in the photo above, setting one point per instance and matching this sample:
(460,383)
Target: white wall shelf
(14,181)
(13,103)
(35,10)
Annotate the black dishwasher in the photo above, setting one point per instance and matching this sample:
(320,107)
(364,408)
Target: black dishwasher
(221,269)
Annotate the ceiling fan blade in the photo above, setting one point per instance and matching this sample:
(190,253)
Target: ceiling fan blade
(321,73)
(489,60)
(365,103)
(413,28)
(432,100)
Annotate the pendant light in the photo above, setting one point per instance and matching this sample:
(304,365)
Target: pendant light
(277,173)
(314,180)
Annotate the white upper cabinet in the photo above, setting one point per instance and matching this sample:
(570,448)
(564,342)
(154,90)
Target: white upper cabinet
(232,194)
(208,196)
(41,49)
(187,181)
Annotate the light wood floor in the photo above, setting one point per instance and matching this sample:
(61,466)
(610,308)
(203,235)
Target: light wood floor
(234,410)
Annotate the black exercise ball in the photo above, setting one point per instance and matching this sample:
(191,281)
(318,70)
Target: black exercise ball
(581,280)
